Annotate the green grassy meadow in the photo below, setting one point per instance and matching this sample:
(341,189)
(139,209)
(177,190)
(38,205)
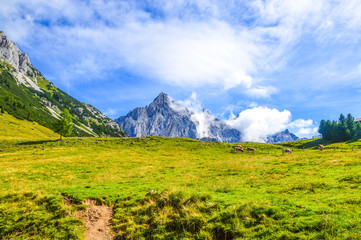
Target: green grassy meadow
(204,190)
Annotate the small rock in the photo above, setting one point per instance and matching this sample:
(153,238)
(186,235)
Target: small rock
(151,193)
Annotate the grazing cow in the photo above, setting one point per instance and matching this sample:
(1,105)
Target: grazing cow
(251,149)
(321,147)
(286,150)
(238,148)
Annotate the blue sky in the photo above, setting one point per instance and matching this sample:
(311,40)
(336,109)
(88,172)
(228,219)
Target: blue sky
(275,64)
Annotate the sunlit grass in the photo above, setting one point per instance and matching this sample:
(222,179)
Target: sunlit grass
(305,195)
(15,129)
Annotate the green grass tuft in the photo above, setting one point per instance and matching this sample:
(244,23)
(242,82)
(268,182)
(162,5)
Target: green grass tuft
(31,216)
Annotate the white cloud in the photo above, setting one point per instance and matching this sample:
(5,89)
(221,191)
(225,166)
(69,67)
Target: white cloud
(303,128)
(237,78)
(307,132)
(301,123)
(259,122)
(261,91)
(190,54)
(182,49)
(255,123)
(190,44)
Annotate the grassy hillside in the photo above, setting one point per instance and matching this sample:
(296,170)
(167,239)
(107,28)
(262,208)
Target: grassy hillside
(12,128)
(204,190)
(27,103)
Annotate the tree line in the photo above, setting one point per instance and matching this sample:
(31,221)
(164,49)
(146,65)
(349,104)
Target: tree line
(342,130)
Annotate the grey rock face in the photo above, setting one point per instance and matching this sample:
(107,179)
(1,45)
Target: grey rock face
(165,117)
(284,136)
(12,54)
(157,119)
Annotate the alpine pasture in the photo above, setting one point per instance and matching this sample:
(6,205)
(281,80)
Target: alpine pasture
(201,190)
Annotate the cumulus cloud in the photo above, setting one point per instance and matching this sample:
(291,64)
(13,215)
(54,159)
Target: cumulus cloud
(259,122)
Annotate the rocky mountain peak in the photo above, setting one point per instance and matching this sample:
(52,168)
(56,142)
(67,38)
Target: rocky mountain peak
(161,100)
(5,41)
(12,54)
(166,117)
(284,136)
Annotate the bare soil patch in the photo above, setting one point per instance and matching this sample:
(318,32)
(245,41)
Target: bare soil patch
(97,221)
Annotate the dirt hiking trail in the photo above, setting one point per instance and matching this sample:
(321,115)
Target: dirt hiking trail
(97,221)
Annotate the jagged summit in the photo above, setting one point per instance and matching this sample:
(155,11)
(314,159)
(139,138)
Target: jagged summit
(10,52)
(162,100)
(162,97)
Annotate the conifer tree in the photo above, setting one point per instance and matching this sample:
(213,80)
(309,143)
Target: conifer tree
(342,119)
(65,124)
(342,130)
(322,128)
(351,125)
(358,129)
(328,130)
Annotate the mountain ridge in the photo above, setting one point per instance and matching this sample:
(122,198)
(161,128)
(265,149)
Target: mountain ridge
(166,117)
(26,94)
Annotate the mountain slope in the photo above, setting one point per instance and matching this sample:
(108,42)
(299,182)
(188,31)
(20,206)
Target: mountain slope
(165,117)
(26,94)
(12,128)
